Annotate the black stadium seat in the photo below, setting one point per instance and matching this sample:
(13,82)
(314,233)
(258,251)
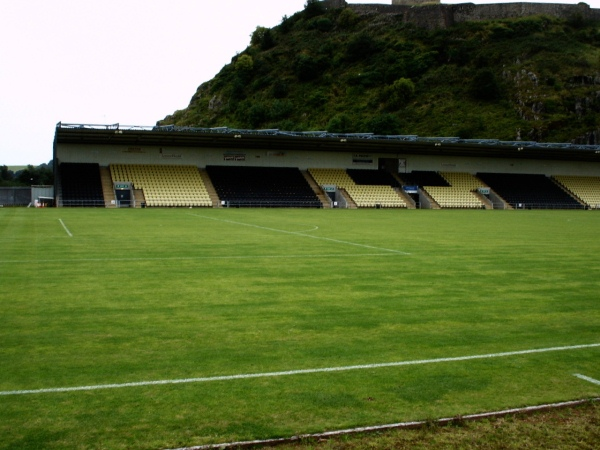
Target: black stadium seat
(529,191)
(372,177)
(424,178)
(266,187)
(81,184)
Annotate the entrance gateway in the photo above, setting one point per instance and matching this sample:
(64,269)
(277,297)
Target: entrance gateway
(392,165)
(123,194)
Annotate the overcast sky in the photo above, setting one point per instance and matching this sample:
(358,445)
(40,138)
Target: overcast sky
(117,61)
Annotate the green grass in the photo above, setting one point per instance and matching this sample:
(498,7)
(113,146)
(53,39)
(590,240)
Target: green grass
(561,429)
(144,295)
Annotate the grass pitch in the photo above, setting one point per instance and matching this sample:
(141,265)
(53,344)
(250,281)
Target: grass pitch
(110,297)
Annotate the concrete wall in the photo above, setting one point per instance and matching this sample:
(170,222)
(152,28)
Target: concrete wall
(499,165)
(105,155)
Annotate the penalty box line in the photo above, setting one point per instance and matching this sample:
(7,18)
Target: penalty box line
(303,234)
(296,372)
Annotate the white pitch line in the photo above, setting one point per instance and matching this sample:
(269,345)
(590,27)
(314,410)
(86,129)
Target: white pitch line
(315,228)
(193,258)
(65,227)
(303,234)
(296,372)
(583,377)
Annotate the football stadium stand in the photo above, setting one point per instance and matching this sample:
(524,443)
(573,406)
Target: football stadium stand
(169,166)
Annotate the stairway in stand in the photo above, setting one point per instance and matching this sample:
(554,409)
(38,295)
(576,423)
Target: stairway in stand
(139,198)
(410,203)
(487,204)
(350,203)
(107,188)
(210,188)
(316,189)
(432,203)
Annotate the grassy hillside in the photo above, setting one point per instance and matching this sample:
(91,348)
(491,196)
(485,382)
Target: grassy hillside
(535,78)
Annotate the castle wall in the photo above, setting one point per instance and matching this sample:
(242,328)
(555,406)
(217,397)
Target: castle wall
(465,12)
(334,3)
(377,8)
(415,2)
(433,16)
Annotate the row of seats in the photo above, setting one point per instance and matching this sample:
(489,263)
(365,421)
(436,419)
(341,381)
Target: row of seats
(423,178)
(459,193)
(378,194)
(366,196)
(448,197)
(373,177)
(337,177)
(164,185)
(244,186)
(529,191)
(171,185)
(586,189)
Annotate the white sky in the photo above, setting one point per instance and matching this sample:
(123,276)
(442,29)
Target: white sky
(118,61)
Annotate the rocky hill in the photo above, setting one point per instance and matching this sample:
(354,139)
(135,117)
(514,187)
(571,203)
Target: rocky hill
(352,70)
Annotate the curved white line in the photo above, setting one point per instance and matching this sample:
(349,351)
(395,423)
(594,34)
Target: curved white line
(307,231)
(296,233)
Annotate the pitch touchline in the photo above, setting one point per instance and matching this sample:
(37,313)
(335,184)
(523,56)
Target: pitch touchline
(192,258)
(296,233)
(295,372)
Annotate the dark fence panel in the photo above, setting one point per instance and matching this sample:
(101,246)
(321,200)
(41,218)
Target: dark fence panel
(15,196)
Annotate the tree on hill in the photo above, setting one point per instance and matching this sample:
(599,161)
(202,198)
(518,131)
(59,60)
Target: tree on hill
(6,176)
(40,175)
